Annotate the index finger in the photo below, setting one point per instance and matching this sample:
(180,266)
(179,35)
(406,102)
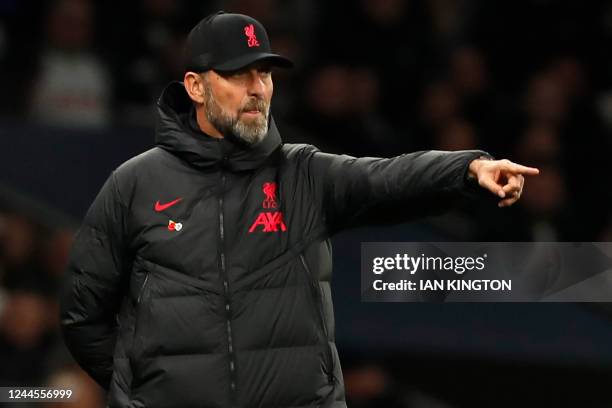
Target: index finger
(520,169)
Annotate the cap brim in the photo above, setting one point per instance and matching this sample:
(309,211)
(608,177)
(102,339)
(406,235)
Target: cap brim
(242,61)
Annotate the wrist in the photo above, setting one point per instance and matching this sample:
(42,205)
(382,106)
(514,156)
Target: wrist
(475,165)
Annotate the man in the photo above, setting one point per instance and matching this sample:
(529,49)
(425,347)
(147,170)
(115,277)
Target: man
(201,274)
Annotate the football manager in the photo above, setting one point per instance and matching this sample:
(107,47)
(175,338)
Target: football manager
(200,277)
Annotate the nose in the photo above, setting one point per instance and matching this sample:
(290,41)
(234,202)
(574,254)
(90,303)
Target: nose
(256,84)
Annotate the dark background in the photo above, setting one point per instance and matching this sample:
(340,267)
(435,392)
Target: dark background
(525,80)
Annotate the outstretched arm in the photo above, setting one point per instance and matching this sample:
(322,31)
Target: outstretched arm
(368,191)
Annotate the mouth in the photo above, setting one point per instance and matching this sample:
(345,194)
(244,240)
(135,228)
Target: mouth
(251,113)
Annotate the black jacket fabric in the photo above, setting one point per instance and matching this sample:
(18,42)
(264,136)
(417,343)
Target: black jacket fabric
(200,276)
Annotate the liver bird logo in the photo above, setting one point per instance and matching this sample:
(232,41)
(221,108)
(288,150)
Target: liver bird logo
(249,31)
(269,189)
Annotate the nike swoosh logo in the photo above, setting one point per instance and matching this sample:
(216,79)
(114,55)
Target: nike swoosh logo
(161,207)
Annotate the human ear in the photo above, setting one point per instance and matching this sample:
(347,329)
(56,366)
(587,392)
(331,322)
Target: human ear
(194,85)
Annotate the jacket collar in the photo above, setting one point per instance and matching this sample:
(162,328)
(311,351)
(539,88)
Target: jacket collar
(174,134)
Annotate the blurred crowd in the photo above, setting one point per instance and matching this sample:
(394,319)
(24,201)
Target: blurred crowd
(32,261)
(528,80)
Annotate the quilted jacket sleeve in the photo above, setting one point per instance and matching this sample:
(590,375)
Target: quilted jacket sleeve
(93,285)
(367,191)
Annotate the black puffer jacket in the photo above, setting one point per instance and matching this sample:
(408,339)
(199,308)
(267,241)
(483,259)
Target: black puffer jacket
(201,274)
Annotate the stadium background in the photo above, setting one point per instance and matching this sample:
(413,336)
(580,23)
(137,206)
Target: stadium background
(528,80)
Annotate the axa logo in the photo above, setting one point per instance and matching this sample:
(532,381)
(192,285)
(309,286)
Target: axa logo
(249,31)
(269,221)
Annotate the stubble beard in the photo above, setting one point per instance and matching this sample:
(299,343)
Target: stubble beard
(251,132)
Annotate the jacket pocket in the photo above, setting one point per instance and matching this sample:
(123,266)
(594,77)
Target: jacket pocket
(140,322)
(317,303)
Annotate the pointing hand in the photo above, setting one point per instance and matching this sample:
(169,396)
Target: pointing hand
(502,177)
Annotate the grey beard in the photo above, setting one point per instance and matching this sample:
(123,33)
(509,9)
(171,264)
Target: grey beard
(253,133)
(228,124)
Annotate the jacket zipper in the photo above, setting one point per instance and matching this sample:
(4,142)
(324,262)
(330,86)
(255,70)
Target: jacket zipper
(228,324)
(316,290)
